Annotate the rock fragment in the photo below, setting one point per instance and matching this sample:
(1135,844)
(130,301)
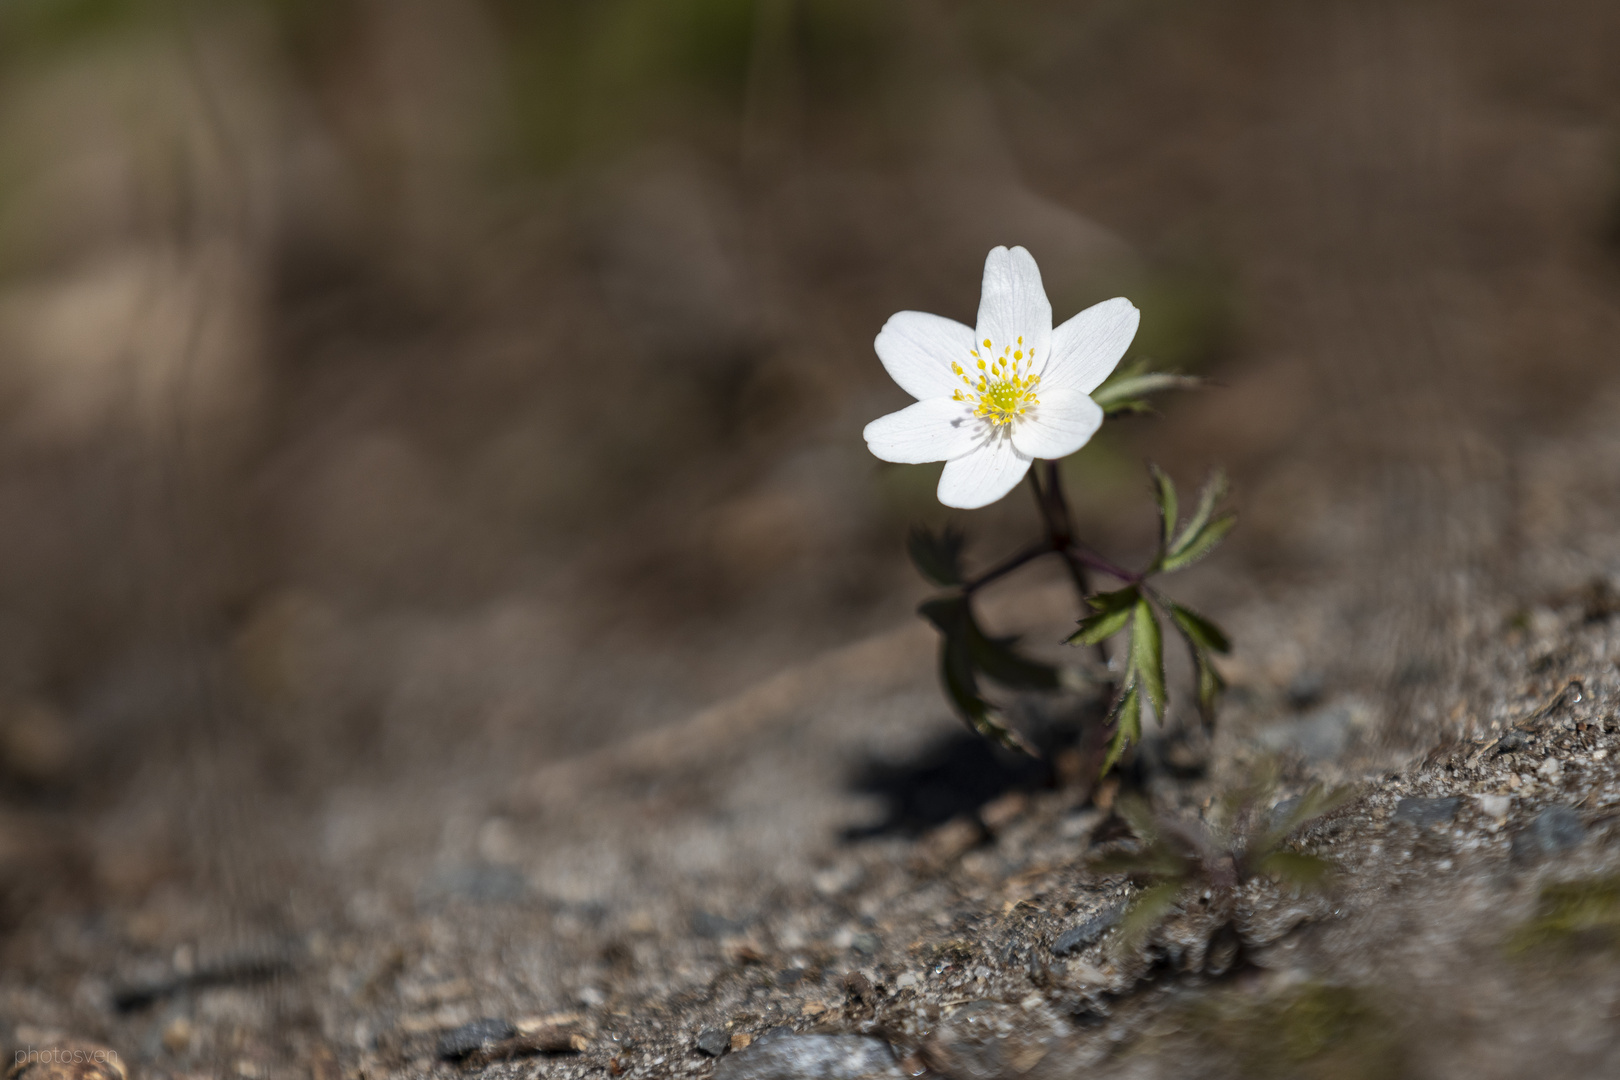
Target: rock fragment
(811,1057)
(1556,829)
(1426,813)
(713,1042)
(458,1043)
(1086,933)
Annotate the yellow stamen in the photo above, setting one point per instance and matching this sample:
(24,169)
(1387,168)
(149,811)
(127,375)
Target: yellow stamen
(1005,387)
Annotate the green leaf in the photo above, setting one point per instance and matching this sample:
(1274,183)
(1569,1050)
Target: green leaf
(1147,654)
(1164,490)
(1100,627)
(1210,685)
(1139,816)
(1199,630)
(1145,913)
(953,616)
(949,614)
(999,659)
(1213,491)
(1127,726)
(995,657)
(1314,802)
(1130,407)
(1113,611)
(1297,869)
(937,556)
(1118,600)
(1201,637)
(1125,390)
(1201,544)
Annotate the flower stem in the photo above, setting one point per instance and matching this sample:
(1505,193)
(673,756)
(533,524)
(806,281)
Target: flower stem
(1054,508)
(1090,558)
(1028,554)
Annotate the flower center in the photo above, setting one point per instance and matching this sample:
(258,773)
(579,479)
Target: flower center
(1001,388)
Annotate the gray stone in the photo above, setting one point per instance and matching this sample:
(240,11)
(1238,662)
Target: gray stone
(1087,933)
(1426,813)
(1280,812)
(1511,741)
(867,944)
(1305,689)
(1317,736)
(713,1041)
(706,924)
(458,1042)
(811,1057)
(1556,829)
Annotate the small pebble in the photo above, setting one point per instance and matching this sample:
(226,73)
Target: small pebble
(706,924)
(1495,807)
(1426,813)
(811,1057)
(1511,742)
(1556,829)
(1078,937)
(457,1043)
(714,1042)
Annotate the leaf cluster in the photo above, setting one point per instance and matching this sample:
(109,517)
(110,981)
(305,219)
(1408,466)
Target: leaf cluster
(967,652)
(1137,608)
(1240,837)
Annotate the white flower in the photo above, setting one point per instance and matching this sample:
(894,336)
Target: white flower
(991,400)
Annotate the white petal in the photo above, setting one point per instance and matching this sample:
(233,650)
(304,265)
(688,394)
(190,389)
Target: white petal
(1013,304)
(983,476)
(934,430)
(917,349)
(1062,423)
(1086,349)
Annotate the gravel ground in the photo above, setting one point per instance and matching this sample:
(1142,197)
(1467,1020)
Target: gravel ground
(803,861)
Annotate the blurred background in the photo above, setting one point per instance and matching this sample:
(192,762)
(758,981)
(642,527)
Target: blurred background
(400,395)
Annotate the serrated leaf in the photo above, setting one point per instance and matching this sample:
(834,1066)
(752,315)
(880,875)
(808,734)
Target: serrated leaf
(1164,490)
(1100,627)
(1134,385)
(1112,612)
(1210,685)
(995,657)
(1118,600)
(1146,912)
(1297,869)
(1213,491)
(1151,864)
(947,613)
(1147,654)
(957,674)
(1314,802)
(937,556)
(999,659)
(1199,630)
(1139,816)
(1202,544)
(954,618)
(1127,726)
